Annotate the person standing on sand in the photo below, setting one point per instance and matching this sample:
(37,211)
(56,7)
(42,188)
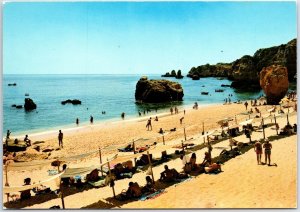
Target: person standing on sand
(258,150)
(148,125)
(183,112)
(181,119)
(246,105)
(92,119)
(77,121)
(268,147)
(171,110)
(60,139)
(8,134)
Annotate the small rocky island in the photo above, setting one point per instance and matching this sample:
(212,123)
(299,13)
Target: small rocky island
(156,91)
(29,104)
(173,74)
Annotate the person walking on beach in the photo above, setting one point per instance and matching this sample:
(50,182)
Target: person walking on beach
(268,147)
(148,125)
(77,121)
(171,110)
(8,134)
(181,119)
(258,150)
(92,119)
(60,139)
(246,105)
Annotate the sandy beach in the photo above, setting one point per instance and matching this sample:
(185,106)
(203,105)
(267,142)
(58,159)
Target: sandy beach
(245,184)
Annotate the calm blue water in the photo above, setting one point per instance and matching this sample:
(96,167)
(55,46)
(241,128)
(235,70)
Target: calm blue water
(111,93)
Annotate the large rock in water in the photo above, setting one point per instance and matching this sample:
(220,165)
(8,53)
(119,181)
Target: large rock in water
(29,104)
(155,91)
(274,81)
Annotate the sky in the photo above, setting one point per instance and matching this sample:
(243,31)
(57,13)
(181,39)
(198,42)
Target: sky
(138,37)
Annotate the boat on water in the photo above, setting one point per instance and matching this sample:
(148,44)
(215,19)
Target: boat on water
(219,90)
(26,94)
(204,93)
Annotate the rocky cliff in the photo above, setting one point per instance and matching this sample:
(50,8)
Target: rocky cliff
(274,82)
(245,71)
(154,91)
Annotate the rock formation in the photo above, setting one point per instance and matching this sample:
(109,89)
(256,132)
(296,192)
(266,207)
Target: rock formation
(244,72)
(155,91)
(274,82)
(29,104)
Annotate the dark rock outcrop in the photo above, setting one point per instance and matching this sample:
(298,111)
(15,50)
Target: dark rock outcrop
(69,101)
(173,74)
(247,68)
(155,91)
(274,82)
(195,77)
(29,104)
(19,106)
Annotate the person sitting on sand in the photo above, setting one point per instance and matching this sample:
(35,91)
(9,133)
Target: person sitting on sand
(26,193)
(193,161)
(213,168)
(232,142)
(207,159)
(161,131)
(149,187)
(267,146)
(27,140)
(168,175)
(295,128)
(134,190)
(258,150)
(156,118)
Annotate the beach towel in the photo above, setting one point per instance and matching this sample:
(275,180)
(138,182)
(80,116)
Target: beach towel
(152,195)
(52,172)
(99,183)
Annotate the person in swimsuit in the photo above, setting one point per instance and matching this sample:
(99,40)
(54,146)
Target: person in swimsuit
(268,147)
(258,150)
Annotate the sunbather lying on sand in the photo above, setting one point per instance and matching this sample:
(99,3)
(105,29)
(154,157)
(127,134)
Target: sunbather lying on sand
(213,168)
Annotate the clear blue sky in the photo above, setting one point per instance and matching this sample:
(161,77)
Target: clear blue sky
(138,38)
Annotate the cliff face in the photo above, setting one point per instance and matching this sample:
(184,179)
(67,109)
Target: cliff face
(247,68)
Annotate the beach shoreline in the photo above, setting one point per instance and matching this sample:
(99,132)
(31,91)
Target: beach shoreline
(98,124)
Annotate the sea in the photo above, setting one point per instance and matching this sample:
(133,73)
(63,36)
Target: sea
(113,94)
